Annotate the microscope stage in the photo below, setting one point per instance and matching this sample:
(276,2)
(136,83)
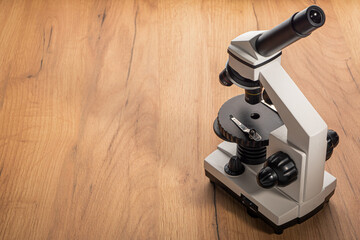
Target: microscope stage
(272,205)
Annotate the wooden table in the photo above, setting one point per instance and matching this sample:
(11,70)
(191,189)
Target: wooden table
(106,112)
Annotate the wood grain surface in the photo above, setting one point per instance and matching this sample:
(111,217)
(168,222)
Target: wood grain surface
(106,112)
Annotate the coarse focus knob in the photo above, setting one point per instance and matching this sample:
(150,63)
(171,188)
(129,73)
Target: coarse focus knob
(332,142)
(279,170)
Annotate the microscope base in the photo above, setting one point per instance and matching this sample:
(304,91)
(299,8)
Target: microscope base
(272,205)
(252,213)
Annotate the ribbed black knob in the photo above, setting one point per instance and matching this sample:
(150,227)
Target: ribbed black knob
(332,142)
(267,178)
(279,170)
(234,167)
(224,79)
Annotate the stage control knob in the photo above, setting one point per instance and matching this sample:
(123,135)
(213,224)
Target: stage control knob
(279,170)
(234,167)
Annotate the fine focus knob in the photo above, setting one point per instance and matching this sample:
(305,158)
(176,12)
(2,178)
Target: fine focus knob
(332,142)
(234,167)
(279,170)
(267,178)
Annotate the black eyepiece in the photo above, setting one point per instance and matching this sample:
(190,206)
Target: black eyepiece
(298,26)
(308,20)
(315,16)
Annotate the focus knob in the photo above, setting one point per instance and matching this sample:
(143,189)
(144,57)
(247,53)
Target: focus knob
(279,170)
(332,142)
(267,177)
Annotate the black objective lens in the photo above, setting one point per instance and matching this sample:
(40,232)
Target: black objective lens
(253,96)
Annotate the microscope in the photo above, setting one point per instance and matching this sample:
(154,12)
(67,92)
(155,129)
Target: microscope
(275,143)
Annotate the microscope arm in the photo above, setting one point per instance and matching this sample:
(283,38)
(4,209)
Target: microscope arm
(306,130)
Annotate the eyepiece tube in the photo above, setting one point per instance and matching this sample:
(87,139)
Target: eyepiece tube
(298,26)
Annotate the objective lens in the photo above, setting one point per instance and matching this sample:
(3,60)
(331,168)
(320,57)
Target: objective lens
(315,16)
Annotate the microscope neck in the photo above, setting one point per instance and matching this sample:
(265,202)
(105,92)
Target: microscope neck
(306,130)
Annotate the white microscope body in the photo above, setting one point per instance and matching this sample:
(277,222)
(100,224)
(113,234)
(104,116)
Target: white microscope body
(302,136)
